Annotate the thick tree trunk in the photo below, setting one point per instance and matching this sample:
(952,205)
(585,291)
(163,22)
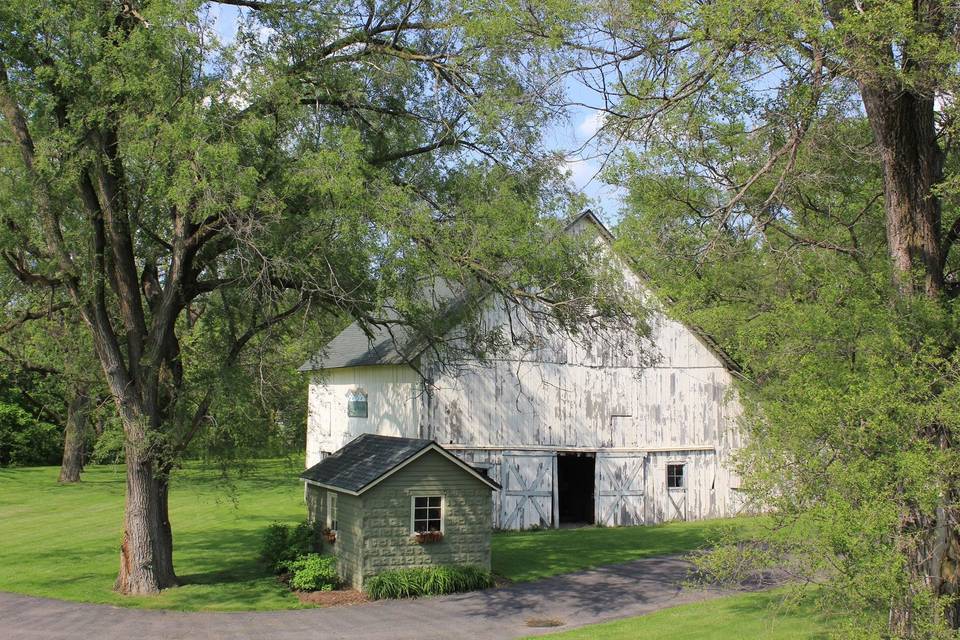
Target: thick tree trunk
(931,546)
(912,163)
(146,553)
(74,437)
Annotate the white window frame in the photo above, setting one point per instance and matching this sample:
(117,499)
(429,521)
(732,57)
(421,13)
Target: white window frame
(332,511)
(413,511)
(683,477)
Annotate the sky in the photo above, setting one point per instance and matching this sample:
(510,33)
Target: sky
(567,136)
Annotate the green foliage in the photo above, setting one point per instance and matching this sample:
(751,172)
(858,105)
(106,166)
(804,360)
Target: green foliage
(310,174)
(313,572)
(427,581)
(282,545)
(24,440)
(846,378)
(108,448)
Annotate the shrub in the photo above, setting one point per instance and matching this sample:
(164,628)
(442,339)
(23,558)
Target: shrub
(24,440)
(427,581)
(281,545)
(313,572)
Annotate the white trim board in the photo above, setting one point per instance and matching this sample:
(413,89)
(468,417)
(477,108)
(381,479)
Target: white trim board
(548,449)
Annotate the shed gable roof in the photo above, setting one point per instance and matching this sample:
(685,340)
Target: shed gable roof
(369,458)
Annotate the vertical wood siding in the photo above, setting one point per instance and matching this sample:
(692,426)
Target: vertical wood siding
(651,401)
(394,395)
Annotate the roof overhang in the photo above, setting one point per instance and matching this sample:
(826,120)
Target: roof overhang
(433,446)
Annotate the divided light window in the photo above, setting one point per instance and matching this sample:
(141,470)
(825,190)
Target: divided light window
(331,511)
(675,476)
(357,404)
(427,513)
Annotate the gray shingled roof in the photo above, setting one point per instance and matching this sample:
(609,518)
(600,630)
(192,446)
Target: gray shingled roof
(368,457)
(352,348)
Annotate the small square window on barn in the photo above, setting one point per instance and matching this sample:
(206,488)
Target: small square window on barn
(675,479)
(427,514)
(357,404)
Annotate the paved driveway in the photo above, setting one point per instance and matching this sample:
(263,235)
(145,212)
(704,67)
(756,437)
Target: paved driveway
(575,599)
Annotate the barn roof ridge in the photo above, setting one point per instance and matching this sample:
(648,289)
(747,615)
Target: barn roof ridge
(352,347)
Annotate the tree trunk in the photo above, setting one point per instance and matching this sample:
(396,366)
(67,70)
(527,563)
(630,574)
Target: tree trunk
(912,163)
(74,436)
(146,552)
(931,546)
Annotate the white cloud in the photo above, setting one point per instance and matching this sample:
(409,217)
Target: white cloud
(580,172)
(590,124)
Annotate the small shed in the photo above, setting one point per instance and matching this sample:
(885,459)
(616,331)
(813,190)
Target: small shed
(388,503)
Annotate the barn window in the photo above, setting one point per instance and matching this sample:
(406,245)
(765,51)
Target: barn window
(331,511)
(357,404)
(675,478)
(427,514)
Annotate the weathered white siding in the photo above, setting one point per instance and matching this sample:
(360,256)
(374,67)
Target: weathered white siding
(393,393)
(637,404)
(594,399)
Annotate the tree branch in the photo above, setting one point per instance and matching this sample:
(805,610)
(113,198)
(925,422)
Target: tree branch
(27,316)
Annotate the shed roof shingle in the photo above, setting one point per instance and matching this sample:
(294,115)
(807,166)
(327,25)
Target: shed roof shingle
(369,457)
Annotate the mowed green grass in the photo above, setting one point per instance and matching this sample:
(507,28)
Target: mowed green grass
(63,541)
(742,617)
(530,555)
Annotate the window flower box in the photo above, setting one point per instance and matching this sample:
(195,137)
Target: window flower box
(426,537)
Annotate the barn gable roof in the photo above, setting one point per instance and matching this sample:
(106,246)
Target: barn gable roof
(353,347)
(369,458)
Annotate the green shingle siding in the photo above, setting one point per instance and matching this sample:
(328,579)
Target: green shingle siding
(467,511)
(374,527)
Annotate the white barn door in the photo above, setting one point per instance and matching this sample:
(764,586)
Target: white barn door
(526,496)
(620,481)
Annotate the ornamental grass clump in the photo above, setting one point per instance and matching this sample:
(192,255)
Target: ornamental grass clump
(427,581)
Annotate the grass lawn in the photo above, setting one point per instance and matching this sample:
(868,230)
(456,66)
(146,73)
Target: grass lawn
(754,615)
(530,555)
(63,541)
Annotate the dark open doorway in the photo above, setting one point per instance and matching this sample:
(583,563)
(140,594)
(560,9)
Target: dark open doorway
(575,482)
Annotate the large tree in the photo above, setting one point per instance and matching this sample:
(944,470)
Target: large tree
(757,138)
(340,156)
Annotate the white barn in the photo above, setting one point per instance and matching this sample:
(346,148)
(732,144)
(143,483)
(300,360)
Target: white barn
(572,433)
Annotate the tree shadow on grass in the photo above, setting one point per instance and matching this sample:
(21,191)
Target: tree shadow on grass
(221,556)
(526,555)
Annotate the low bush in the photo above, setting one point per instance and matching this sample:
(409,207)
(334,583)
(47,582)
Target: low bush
(427,581)
(313,572)
(282,545)
(25,440)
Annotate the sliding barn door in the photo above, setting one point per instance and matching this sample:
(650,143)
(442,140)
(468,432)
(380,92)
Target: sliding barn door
(620,479)
(526,497)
